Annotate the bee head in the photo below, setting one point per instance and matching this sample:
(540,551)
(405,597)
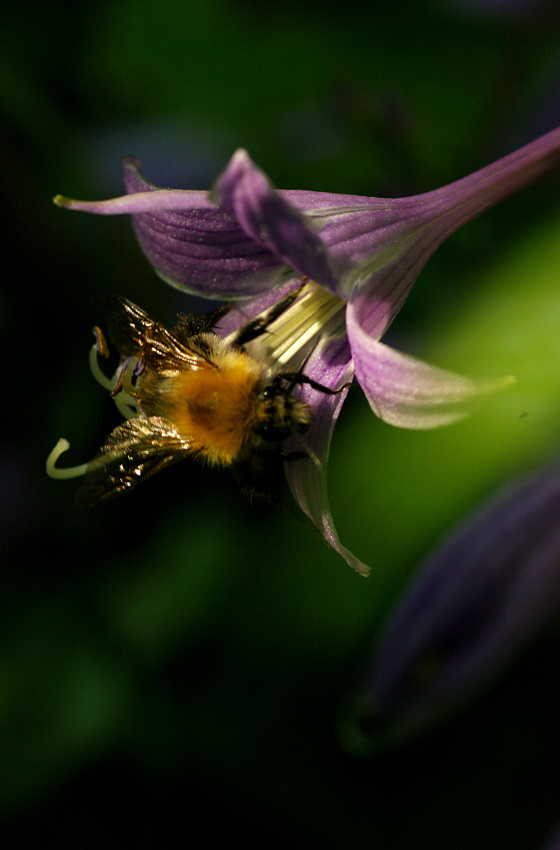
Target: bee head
(282,414)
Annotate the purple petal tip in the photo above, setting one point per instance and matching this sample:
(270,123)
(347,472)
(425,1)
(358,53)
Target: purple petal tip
(130,162)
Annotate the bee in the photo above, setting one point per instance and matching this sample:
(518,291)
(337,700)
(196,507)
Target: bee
(198,395)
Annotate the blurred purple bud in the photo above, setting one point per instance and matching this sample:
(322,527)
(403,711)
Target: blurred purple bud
(483,594)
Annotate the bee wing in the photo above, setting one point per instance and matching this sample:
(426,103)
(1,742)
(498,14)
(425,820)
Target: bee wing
(137,335)
(128,325)
(135,450)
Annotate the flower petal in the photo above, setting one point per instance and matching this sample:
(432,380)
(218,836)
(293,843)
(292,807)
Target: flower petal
(481,595)
(464,199)
(245,192)
(330,365)
(381,245)
(191,244)
(242,249)
(407,392)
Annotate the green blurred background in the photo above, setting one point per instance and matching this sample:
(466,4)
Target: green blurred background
(179,661)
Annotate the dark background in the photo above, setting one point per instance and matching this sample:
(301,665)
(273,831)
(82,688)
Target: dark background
(181,661)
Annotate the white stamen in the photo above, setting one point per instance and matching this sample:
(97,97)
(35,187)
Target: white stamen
(295,332)
(98,374)
(125,402)
(125,399)
(71,471)
(126,408)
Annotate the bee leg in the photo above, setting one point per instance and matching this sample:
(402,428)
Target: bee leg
(260,323)
(211,319)
(297,378)
(188,325)
(291,456)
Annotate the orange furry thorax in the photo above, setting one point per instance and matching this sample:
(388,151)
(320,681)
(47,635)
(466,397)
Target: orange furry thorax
(217,406)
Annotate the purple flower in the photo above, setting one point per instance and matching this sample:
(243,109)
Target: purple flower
(481,595)
(246,242)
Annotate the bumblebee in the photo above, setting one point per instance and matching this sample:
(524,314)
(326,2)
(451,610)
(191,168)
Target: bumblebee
(191,393)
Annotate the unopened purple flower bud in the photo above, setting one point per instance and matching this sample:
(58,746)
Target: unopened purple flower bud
(479,597)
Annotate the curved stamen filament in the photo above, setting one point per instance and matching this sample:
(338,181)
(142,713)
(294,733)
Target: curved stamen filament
(124,393)
(98,374)
(120,383)
(126,408)
(70,471)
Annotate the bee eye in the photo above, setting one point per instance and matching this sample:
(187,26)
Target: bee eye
(272,391)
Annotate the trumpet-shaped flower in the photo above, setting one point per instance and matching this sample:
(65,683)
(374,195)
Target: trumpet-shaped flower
(247,242)
(481,595)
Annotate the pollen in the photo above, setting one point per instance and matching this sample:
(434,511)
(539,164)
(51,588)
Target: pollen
(215,408)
